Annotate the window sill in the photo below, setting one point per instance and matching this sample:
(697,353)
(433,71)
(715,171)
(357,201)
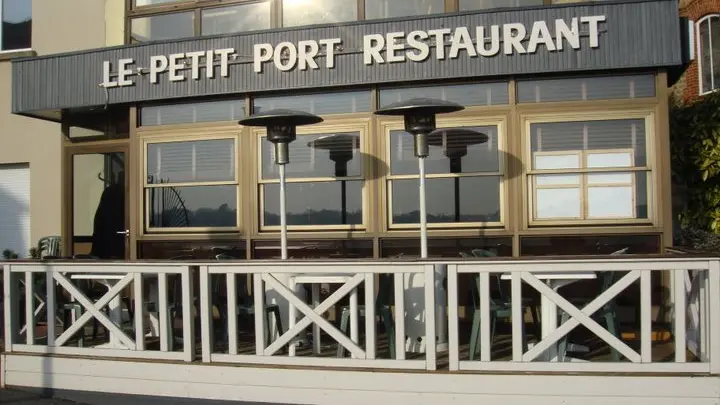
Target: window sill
(16,53)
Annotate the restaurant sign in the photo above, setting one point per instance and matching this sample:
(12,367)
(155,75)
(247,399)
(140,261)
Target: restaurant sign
(394,47)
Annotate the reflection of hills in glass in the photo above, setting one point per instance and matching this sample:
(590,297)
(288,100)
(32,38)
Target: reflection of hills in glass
(313,217)
(16,35)
(413,217)
(203,217)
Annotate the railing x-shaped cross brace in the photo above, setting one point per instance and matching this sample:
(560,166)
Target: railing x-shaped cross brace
(581,316)
(94,310)
(314,315)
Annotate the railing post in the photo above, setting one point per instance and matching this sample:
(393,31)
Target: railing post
(11,307)
(29,310)
(188,318)
(714,315)
(50,304)
(431,340)
(453,334)
(679,313)
(206,337)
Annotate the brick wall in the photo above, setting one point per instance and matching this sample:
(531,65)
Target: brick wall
(688,87)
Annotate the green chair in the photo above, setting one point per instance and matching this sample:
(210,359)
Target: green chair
(49,247)
(245,306)
(500,308)
(383,309)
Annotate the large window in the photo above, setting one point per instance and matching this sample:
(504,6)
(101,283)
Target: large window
(464,174)
(239,18)
(589,171)
(162,26)
(16,31)
(191,184)
(708,31)
(325,179)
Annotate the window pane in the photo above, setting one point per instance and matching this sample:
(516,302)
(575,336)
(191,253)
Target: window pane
(459,152)
(395,8)
(329,103)
(308,12)
(197,206)
(16,24)
(314,249)
(324,155)
(715,35)
(200,250)
(588,88)
(193,161)
(467,5)
(164,26)
(155,2)
(211,111)
(244,17)
(445,247)
(589,245)
(322,203)
(591,135)
(462,199)
(706,55)
(464,94)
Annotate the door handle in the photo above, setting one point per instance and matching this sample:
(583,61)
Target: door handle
(125,232)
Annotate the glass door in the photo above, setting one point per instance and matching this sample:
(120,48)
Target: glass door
(98,203)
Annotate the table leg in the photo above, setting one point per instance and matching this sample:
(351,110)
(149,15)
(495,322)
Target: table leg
(316,329)
(354,333)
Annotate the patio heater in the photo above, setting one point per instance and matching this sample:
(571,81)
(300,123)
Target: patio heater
(281,125)
(455,142)
(419,115)
(341,148)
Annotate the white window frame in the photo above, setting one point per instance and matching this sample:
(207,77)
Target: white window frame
(529,174)
(699,58)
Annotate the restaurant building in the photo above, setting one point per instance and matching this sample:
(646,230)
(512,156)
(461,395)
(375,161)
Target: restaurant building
(568,155)
(572,97)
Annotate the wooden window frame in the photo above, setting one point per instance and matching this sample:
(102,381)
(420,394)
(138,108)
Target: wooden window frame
(330,126)
(529,174)
(191,134)
(499,121)
(706,20)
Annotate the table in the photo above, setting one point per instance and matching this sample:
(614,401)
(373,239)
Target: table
(315,280)
(114,307)
(548,309)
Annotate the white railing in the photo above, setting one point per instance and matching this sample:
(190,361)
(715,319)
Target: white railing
(279,281)
(694,299)
(698,295)
(20,279)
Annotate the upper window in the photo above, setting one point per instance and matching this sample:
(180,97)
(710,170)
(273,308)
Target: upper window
(238,18)
(467,5)
(401,8)
(588,171)
(309,12)
(586,88)
(16,17)
(162,26)
(709,53)
(191,113)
